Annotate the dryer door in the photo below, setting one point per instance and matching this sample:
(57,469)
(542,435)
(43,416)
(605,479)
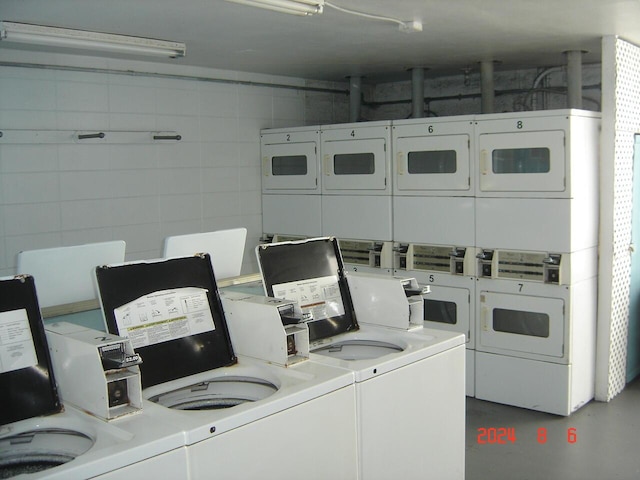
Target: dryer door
(290,167)
(432,164)
(515,323)
(523,162)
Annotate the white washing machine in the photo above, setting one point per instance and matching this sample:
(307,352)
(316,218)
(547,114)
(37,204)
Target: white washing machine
(410,392)
(241,417)
(42,438)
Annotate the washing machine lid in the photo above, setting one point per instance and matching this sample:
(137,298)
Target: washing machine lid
(310,271)
(171,311)
(26,376)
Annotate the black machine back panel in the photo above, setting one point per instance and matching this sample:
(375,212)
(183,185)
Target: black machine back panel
(316,258)
(180,357)
(30,391)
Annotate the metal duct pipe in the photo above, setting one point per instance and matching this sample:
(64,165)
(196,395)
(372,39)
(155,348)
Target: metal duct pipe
(417,92)
(574,78)
(486,87)
(355,97)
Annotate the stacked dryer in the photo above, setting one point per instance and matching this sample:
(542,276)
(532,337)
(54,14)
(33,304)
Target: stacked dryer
(291,183)
(356,193)
(537,235)
(433,220)
(331,180)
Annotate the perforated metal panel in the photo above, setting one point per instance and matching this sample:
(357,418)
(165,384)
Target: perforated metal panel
(627,124)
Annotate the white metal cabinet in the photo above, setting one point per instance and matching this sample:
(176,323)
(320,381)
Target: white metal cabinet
(434,220)
(357,216)
(433,156)
(290,160)
(356,158)
(546,154)
(542,224)
(292,215)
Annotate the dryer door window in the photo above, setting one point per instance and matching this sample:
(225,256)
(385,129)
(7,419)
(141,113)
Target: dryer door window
(354,165)
(447,308)
(523,162)
(290,167)
(432,163)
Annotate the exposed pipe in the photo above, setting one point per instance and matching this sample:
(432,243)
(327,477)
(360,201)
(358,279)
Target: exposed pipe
(355,96)
(536,82)
(417,92)
(574,78)
(113,71)
(486,87)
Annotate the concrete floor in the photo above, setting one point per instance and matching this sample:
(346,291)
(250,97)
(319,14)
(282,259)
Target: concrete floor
(607,443)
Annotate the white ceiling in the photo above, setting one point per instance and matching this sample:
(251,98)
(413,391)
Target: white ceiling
(457,33)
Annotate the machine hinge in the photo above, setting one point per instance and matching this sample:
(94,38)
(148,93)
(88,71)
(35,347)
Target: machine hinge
(385,146)
(469,144)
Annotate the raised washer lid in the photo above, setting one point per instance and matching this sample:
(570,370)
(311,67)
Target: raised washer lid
(171,346)
(298,270)
(26,376)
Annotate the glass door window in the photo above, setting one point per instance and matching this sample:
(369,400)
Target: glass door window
(432,164)
(290,167)
(523,162)
(355,165)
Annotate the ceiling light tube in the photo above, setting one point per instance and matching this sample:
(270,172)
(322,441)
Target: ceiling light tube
(70,38)
(293,7)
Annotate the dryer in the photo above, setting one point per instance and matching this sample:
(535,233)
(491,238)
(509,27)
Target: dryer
(291,181)
(240,417)
(409,384)
(42,438)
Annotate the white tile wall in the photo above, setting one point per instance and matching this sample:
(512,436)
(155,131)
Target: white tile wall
(66,194)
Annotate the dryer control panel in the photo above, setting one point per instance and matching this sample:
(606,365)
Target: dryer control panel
(542,267)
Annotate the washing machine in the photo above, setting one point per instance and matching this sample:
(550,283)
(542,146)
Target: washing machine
(241,417)
(42,437)
(410,392)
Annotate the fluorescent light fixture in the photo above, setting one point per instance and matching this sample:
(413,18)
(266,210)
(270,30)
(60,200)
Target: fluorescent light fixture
(70,38)
(293,7)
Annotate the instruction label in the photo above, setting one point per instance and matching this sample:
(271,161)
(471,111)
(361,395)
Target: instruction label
(165,315)
(17,349)
(318,296)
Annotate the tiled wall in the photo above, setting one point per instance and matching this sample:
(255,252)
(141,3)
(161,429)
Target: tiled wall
(72,193)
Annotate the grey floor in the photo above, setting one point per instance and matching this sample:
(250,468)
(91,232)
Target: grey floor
(607,441)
